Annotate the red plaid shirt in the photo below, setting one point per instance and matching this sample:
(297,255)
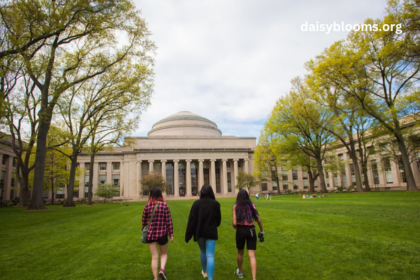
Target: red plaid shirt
(161,223)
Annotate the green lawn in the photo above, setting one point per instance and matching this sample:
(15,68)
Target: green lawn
(342,236)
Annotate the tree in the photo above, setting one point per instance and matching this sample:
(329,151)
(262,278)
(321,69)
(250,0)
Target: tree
(107,191)
(153,180)
(346,112)
(372,68)
(297,124)
(20,118)
(103,110)
(82,43)
(246,180)
(265,160)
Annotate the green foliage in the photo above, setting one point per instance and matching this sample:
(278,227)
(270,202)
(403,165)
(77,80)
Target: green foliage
(153,180)
(107,191)
(246,180)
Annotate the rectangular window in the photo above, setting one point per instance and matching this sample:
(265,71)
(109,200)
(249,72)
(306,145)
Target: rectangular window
(86,185)
(87,165)
(305,179)
(388,170)
(102,166)
(264,186)
(375,172)
(229,181)
(157,167)
(115,166)
(341,156)
(336,179)
(228,164)
(353,175)
(285,186)
(275,186)
(101,179)
(3,176)
(402,171)
(4,160)
(14,162)
(284,176)
(295,179)
(116,182)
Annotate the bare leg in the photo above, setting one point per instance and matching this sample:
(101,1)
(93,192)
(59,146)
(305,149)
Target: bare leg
(163,255)
(155,258)
(253,261)
(240,259)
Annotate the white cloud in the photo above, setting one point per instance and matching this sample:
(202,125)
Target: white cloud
(230,60)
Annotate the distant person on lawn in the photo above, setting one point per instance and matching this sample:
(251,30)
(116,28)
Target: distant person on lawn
(205,217)
(160,228)
(244,215)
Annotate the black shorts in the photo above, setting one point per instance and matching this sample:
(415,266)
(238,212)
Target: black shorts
(246,234)
(161,240)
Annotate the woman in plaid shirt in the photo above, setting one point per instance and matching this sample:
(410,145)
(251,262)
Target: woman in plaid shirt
(160,228)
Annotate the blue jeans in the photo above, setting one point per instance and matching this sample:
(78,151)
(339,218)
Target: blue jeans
(207,247)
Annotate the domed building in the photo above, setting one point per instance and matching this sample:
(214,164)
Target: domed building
(187,149)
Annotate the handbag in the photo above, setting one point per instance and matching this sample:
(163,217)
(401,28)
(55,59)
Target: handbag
(145,230)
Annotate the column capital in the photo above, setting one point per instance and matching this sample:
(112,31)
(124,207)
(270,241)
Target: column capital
(246,159)
(213,160)
(224,159)
(187,160)
(163,161)
(201,160)
(235,159)
(176,160)
(151,160)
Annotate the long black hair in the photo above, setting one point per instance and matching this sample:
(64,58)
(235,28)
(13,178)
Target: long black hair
(245,211)
(207,191)
(155,195)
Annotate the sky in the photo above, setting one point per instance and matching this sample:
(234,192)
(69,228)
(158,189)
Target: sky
(231,60)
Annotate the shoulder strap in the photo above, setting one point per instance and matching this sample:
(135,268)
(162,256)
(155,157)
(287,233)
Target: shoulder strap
(151,218)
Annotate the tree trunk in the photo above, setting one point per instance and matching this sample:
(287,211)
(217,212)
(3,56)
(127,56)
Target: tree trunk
(411,184)
(321,175)
(70,186)
(24,189)
(37,201)
(52,191)
(353,157)
(311,182)
(90,185)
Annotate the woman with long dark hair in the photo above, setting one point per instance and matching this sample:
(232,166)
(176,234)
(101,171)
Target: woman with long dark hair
(244,215)
(203,221)
(160,228)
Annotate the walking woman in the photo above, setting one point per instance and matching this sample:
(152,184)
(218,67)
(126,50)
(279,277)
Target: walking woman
(204,219)
(244,215)
(160,228)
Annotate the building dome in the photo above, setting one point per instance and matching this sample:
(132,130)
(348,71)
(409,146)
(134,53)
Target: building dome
(185,123)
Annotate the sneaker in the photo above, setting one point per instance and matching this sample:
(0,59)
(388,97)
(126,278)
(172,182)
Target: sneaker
(162,275)
(240,275)
(204,274)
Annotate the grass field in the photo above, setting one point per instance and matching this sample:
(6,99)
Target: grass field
(343,236)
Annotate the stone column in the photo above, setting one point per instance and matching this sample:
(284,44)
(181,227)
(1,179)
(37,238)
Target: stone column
(188,173)
(200,174)
(176,178)
(235,172)
(151,166)
(213,174)
(138,177)
(163,168)
(224,177)
(246,166)
(81,182)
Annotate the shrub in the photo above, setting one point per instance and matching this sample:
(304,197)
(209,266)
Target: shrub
(288,191)
(107,191)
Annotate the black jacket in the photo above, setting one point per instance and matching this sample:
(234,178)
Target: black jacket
(204,219)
